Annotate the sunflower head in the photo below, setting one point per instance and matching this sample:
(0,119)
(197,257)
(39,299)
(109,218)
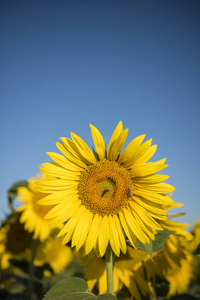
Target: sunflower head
(52,252)
(18,239)
(14,240)
(103,195)
(128,273)
(32,213)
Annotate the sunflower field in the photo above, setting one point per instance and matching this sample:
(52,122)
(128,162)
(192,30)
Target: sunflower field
(96,223)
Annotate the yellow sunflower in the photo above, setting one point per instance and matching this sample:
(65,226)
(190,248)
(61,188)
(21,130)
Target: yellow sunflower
(102,194)
(33,213)
(128,271)
(180,278)
(15,241)
(175,262)
(196,237)
(52,251)
(4,255)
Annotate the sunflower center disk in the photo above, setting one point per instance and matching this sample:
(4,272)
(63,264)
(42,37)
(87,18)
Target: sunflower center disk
(104,188)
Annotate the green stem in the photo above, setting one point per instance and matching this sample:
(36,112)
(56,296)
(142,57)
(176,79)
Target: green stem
(109,270)
(31,268)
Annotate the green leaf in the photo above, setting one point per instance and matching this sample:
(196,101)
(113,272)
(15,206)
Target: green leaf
(153,246)
(149,248)
(71,288)
(106,297)
(160,239)
(75,296)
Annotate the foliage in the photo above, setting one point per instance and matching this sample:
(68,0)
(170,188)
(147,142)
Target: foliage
(75,289)
(153,246)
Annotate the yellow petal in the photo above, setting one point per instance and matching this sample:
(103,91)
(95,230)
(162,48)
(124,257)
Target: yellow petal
(24,193)
(127,230)
(135,227)
(149,205)
(176,205)
(157,187)
(85,151)
(146,169)
(62,160)
(98,141)
(63,206)
(71,147)
(71,210)
(103,283)
(131,148)
(117,145)
(170,223)
(158,198)
(161,161)
(60,173)
(114,237)
(82,229)
(118,130)
(144,215)
(72,158)
(93,234)
(156,216)
(117,282)
(120,233)
(155,178)
(71,225)
(91,283)
(131,286)
(149,153)
(55,185)
(57,197)
(103,235)
(137,154)
(70,167)
(143,226)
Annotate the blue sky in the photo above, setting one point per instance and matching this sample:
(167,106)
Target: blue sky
(65,64)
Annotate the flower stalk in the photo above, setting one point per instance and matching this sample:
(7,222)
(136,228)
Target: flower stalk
(31,267)
(109,269)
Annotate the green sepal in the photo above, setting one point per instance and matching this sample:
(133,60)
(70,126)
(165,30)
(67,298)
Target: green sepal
(154,245)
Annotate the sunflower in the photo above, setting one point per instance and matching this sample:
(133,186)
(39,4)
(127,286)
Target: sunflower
(128,272)
(15,241)
(4,255)
(180,278)
(195,244)
(175,262)
(52,252)
(102,194)
(32,213)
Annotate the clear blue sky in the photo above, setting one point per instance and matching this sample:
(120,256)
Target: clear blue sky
(65,64)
